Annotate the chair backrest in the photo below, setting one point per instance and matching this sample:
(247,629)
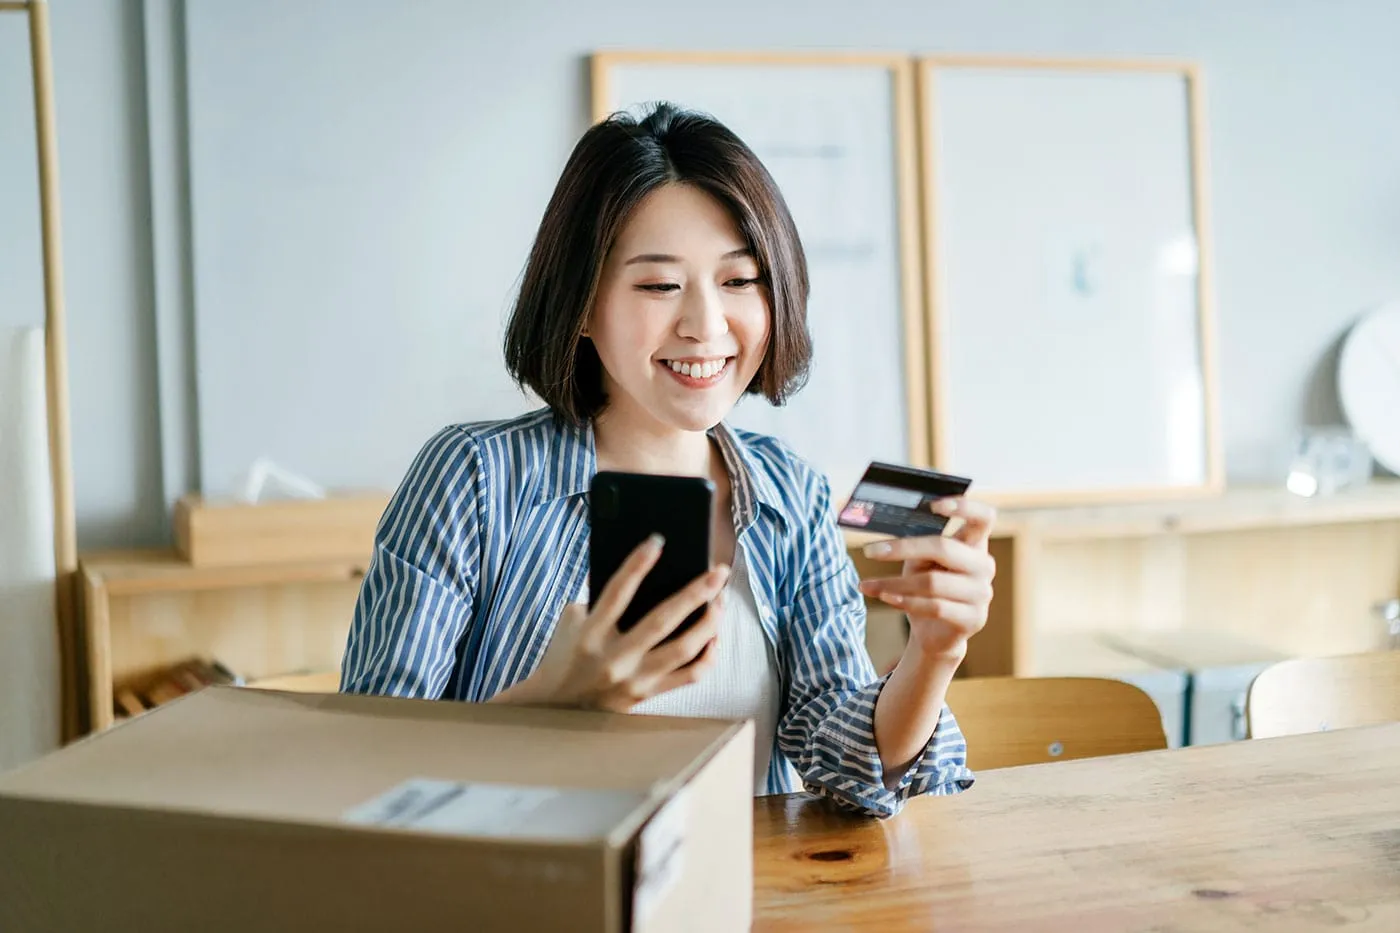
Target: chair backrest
(1317,694)
(1010,721)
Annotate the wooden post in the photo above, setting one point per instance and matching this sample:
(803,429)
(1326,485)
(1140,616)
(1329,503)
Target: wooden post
(56,360)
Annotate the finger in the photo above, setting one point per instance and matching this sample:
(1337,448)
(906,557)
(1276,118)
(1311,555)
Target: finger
(620,589)
(943,584)
(978,518)
(675,654)
(949,553)
(689,674)
(668,615)
(960,615)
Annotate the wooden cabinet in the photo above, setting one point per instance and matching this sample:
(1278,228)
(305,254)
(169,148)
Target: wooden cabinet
(144,610)
(1299,575)
(280,626)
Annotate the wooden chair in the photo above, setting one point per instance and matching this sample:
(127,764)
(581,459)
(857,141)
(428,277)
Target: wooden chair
(1010,721)
(1317,694)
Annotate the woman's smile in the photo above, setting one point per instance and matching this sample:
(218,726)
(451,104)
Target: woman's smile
(698,372)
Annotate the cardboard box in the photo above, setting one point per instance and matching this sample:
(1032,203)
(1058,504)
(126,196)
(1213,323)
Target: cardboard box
(236,534)
(238,809)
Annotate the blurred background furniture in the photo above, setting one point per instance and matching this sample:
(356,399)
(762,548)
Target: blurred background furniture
(1011,721)
(147,610)
(1255,574)
(1320,694)
(1261,565)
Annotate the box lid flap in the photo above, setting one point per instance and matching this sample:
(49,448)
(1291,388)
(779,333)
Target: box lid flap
(305,757)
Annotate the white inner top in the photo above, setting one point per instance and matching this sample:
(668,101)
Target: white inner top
(743,684)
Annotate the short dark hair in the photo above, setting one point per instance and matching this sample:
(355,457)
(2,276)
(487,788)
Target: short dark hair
(616,164)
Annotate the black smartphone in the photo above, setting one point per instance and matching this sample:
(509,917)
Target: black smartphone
(624,508)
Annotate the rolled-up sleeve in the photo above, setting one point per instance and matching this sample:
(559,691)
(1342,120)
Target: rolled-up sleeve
(828,727)
(417,598)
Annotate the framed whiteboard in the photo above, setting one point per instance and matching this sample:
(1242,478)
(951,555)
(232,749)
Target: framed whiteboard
(1067,240)
(838,135)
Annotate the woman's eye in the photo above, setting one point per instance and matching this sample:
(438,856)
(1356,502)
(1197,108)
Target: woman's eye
(659,287)
(740,283)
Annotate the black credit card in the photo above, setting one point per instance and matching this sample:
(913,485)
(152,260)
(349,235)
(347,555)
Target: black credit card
(895,500)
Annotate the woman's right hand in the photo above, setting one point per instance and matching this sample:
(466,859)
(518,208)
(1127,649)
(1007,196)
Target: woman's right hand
(590,663)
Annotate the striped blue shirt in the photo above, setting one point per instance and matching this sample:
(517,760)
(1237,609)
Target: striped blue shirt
(486,541)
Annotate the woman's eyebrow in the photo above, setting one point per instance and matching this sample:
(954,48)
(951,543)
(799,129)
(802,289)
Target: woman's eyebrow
(739,253)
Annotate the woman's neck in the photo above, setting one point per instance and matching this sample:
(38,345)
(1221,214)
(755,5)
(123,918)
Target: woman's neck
(622,444)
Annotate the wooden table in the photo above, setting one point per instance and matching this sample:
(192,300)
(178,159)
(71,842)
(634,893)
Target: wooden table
(1298,833)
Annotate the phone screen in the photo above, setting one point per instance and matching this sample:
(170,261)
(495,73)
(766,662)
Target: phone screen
(626,508)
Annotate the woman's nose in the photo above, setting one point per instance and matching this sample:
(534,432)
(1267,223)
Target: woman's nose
(702,316)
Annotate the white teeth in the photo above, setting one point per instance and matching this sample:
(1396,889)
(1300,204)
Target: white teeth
(697,370)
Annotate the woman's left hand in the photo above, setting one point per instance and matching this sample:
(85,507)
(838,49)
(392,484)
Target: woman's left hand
(946,587)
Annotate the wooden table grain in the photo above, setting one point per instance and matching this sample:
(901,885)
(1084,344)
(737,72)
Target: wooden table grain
(1299,833)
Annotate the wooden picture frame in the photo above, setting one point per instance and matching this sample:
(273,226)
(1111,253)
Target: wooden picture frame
(850,404)
(1075,447)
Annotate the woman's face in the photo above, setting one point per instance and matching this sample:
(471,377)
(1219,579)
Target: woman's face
(681,321)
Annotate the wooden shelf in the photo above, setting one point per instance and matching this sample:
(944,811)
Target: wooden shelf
(1262,564)
(1299,574)
(146,609)
(131,572)
(1237,509)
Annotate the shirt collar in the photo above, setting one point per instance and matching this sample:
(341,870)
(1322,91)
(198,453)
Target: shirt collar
(574,461)
(752,487)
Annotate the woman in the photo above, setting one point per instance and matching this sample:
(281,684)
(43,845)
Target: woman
(666,280)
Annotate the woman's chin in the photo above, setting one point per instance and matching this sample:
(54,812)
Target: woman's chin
(700,415)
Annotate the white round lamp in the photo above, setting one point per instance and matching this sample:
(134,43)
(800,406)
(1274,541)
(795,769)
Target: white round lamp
(1368,382)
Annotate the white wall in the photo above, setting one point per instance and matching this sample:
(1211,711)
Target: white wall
(106,240)
(1304,148)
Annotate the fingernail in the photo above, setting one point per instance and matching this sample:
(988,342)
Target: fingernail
(878,549)
(719,574)
(894,599)
(655,543)
(948,506)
